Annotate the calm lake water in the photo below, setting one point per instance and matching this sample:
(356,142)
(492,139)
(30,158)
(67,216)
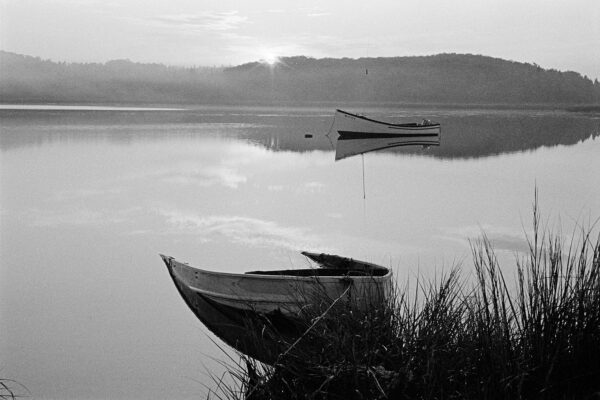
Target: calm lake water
(90,196)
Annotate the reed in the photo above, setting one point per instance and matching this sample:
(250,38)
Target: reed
(534,336)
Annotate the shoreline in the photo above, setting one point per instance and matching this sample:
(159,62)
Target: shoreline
(152,106)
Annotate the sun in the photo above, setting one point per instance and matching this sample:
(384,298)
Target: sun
(271,59)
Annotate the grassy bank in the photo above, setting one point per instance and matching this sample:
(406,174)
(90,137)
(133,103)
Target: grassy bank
(533,336)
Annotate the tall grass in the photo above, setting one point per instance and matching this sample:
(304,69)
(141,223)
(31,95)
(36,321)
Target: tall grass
(533,336)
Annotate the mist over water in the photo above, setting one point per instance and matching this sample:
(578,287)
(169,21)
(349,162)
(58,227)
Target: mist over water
(90,197)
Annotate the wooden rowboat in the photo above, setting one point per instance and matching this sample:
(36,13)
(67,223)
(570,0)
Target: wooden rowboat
(234,305)
(359,134)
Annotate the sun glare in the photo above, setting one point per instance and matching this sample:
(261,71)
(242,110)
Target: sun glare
(270,59)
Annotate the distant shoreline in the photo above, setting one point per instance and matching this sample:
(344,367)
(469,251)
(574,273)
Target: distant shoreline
(140,106)
(81,107)
(584,108)
(443,81)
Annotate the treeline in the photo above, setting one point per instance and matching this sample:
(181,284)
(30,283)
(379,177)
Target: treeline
(25,79)
(439,79)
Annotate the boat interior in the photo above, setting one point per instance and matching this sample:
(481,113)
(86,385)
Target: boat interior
(425,122)
(322,272)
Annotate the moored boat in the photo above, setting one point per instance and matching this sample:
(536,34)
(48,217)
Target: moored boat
(359,134)
(234,305)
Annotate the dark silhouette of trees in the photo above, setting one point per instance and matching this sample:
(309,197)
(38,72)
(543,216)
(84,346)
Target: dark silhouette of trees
(439,79)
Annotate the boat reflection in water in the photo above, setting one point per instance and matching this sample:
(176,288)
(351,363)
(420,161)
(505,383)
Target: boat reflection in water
(259,313)
(358,134)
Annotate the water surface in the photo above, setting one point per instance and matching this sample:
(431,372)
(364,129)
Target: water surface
(89,197)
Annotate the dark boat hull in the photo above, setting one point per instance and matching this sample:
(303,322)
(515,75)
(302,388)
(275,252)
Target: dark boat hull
(238,328)
(261,313)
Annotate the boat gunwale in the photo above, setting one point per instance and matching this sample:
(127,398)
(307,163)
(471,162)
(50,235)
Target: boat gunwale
(411,125)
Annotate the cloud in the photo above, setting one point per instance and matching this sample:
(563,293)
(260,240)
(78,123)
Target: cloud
(239,229)
(78,2)
(335,215)
(275,188)
(207,20)
(207,176)
(75,217)
(76,194)
(216,163)
(79,217)
(501,238)
(307,187)
(313,187)
(314,12)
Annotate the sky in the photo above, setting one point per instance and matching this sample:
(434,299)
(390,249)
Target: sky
(560,34)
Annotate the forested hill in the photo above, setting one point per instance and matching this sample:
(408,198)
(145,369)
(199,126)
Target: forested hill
(438,79)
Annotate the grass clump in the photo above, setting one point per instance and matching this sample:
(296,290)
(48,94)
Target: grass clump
(534,336)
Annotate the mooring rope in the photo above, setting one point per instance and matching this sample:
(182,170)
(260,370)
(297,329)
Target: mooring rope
(330,126)
(363,175)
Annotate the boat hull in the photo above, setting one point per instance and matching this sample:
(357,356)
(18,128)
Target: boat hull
(259,314)
(358,134)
